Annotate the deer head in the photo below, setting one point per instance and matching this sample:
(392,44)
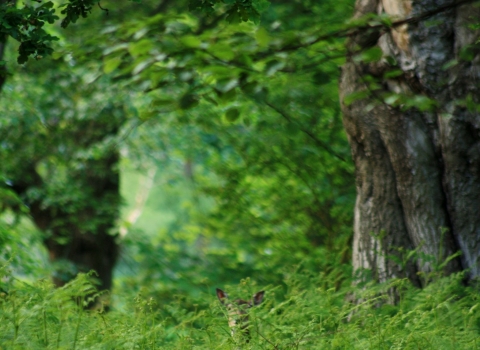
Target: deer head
(237,311)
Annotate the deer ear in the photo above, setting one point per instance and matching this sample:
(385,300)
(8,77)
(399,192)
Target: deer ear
(258,297)
(222,296)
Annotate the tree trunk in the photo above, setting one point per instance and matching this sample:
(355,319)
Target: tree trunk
(76,201)
(417,170)
(85,237)
(81,240)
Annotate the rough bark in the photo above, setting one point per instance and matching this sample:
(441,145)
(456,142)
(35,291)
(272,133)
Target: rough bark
(417,172)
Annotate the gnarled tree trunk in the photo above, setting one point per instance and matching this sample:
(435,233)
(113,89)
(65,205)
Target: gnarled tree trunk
(417,172)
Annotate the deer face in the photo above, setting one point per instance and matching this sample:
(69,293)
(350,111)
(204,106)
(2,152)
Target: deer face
(237,311)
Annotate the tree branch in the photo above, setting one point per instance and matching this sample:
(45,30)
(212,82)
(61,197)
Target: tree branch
(342,33)
(306,131)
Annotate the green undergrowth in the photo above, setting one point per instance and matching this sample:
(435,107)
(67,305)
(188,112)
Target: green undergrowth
(303,313)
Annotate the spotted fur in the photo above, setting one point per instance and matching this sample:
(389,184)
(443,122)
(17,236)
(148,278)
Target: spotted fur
(237,311)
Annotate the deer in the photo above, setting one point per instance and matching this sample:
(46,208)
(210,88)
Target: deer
(237,311)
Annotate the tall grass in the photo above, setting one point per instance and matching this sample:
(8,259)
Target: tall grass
(303,313)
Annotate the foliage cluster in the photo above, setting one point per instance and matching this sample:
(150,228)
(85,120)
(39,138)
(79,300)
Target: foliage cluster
(306,313)
(226,113)
(26,24)
(238,127)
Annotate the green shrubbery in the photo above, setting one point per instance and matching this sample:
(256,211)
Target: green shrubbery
(306,312)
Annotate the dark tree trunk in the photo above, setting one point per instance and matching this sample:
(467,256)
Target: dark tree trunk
(76,201)
(81,235)
(84,239)
(417,172)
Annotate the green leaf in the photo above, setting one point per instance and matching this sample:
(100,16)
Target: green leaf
(225,85)
(250,87)
(141,66)
(373,54)
(191,41)
(322,78)
(222,51)
(469,52)
(355,96)
(110,64)
(188,101)
(210,99)
(262,37)
(232,114)
(421,102)
(141,47)
(392,99)
(47,5)
(391,60)
(450,64)
(228,96)
(393,73)
(115,48)
(261,5)
(273,66)
(162,102)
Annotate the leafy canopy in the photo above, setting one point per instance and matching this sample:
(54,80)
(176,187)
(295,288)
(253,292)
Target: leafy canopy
(26,24)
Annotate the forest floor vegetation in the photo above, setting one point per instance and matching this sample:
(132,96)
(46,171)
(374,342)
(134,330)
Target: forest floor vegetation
(303,313)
